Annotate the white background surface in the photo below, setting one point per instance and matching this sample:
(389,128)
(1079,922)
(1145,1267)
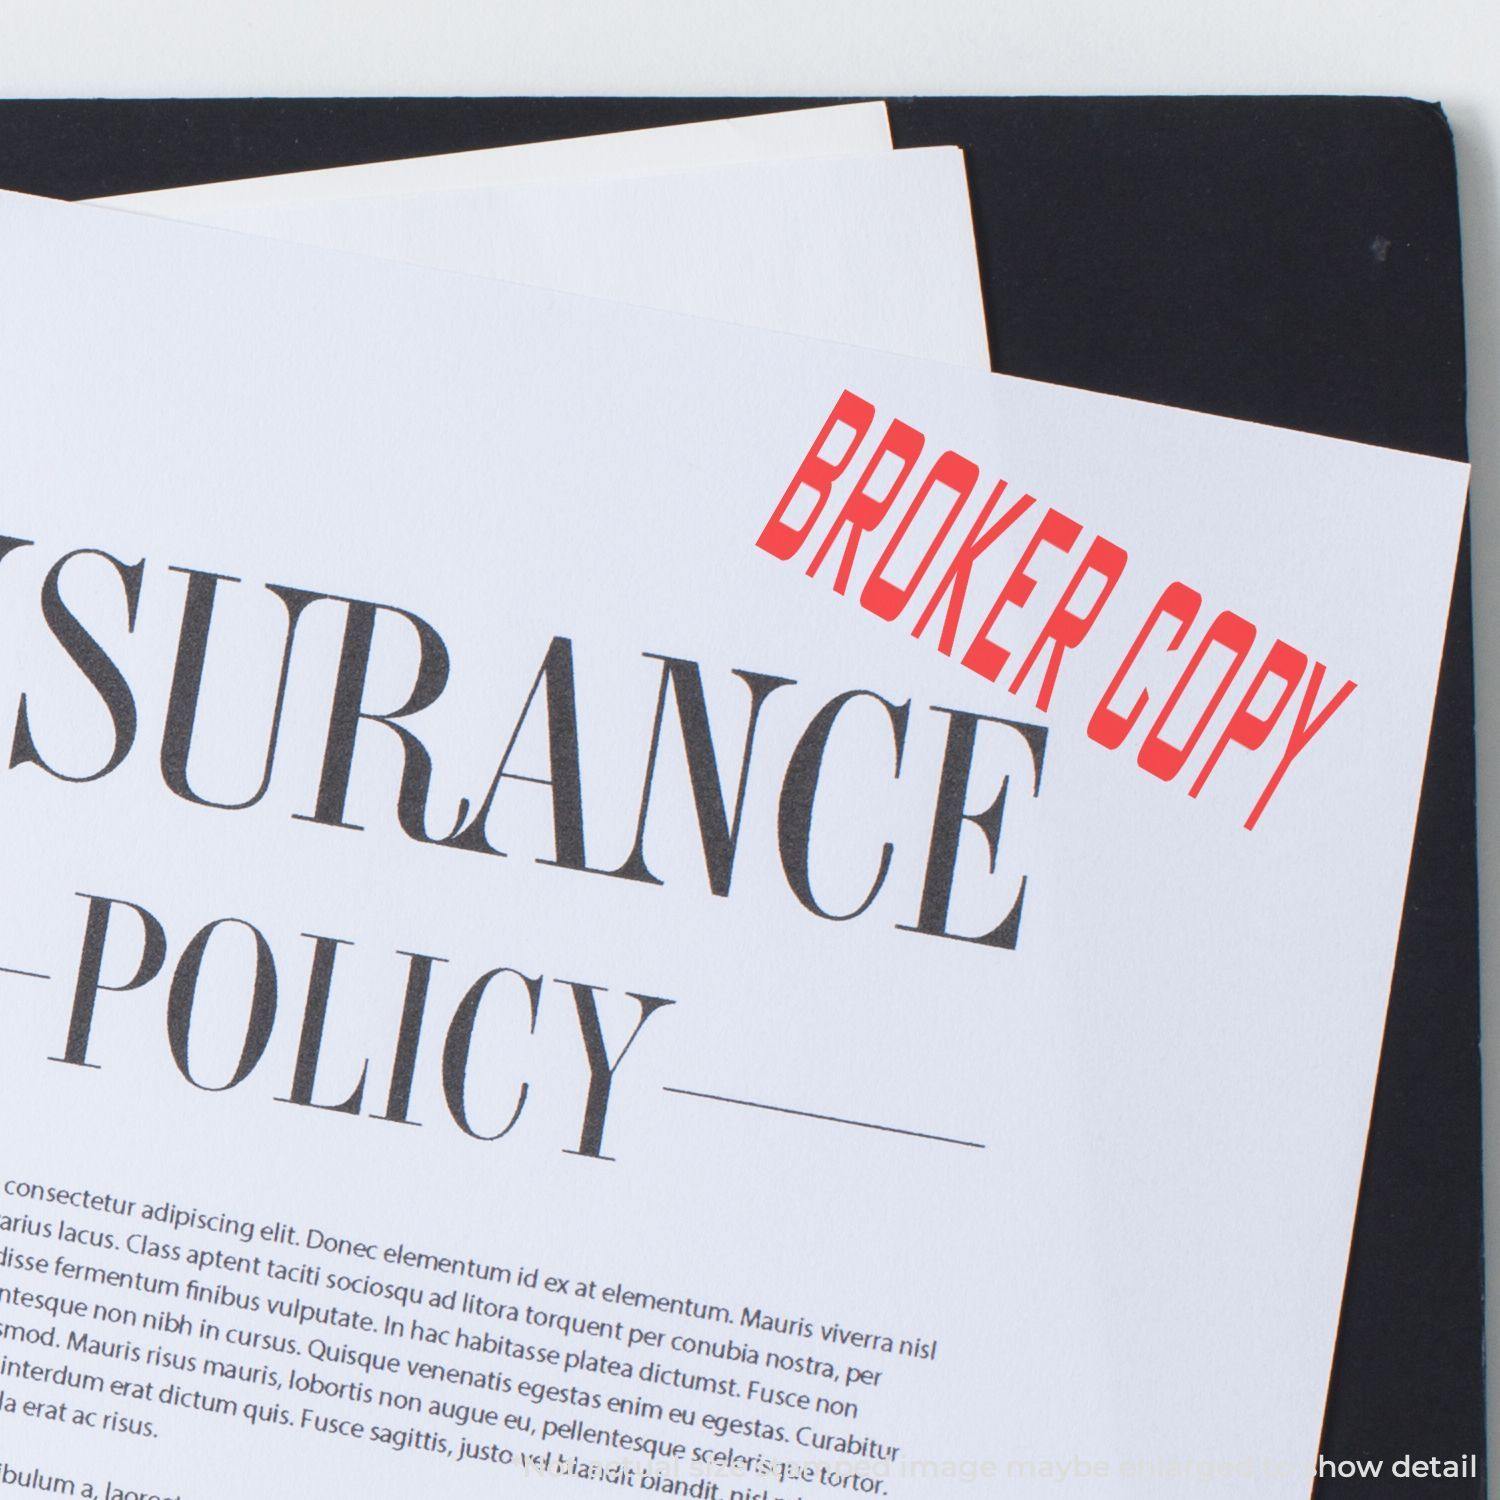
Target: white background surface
(1437,49)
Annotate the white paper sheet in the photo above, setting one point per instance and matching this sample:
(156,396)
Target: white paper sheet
(834,130)
(1083,1200)
(875,250)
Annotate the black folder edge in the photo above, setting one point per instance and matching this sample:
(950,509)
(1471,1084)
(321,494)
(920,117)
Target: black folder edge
(1286,260)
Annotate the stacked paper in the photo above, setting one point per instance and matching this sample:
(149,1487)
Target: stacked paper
(630,870)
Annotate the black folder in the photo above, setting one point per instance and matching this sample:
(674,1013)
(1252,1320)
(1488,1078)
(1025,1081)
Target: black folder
(1287,260)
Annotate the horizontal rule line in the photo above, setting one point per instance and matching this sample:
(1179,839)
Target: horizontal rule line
(24,973)
(810,1114)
